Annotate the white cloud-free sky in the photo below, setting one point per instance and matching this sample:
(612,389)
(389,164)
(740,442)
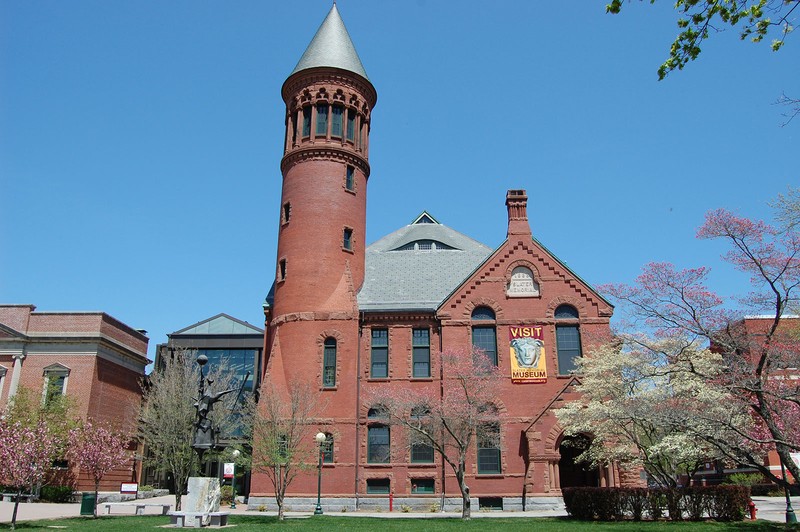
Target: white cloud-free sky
(140,140)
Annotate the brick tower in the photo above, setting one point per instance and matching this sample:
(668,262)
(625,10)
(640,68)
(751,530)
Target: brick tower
(312,313)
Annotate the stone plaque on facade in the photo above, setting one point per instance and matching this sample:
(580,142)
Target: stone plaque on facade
(522,283)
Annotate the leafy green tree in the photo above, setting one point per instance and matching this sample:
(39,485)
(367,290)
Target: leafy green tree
(755,20)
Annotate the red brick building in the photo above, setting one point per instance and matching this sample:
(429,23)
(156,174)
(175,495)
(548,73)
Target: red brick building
(349,318)
(90,357)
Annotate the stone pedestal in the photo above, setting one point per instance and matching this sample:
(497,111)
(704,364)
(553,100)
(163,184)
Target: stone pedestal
(203,495)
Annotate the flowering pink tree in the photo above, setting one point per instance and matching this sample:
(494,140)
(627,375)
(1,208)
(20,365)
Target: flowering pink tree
(761,356)
(26,453)
(97,449)
(449,419)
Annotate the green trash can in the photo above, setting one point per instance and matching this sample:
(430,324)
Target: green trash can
(87,503)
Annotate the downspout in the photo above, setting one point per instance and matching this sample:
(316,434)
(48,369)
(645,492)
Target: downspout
(358,404)
(441,398)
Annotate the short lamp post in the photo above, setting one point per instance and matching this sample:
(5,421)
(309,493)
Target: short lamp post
(320,439)
(790,516)
(235,455)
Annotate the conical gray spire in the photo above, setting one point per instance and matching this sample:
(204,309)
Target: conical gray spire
(331,47)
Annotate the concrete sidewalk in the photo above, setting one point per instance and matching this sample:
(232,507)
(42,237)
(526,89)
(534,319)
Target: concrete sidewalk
(769,508)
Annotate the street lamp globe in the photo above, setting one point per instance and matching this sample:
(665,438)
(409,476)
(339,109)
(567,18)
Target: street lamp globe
(320,438)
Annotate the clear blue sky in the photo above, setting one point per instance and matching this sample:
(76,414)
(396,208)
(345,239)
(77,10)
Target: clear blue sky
(140,140)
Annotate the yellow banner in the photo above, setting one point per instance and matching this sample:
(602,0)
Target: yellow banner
(528,361)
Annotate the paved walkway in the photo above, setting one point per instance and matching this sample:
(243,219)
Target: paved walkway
(769,508)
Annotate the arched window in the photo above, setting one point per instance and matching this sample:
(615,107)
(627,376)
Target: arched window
(327,449)
(322,120)
(484,335)
(378,437)
(568,338)
(329,363)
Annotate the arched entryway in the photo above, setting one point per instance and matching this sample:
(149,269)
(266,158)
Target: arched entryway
(571,472)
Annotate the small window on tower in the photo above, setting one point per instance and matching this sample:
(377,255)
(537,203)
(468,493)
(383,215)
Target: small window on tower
(287,211)
(336,123)
(282,270)
(347,241)
(322,119)
(351,125)
(307,121)
(349,181)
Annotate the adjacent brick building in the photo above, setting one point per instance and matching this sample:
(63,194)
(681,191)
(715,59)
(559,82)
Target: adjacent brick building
(91,357)
(349,318)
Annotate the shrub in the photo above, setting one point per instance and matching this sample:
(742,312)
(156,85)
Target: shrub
(728,502)
(745,479)
(696,501)
(226,494)
(56,493)
(656,501)
(635,501)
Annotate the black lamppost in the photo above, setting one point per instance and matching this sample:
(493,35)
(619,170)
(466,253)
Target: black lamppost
(790,517)
(235,455)
(320,439)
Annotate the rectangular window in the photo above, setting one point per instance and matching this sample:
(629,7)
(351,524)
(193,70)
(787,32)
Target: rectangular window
(307,121)
(485,339)
(327,449)
(568,343)
(421,453)
(347,239)
(378,485)
(287,211)
(421,345)
(379,359)
(349,181)
(423,485)
(351,125)
(489,449)
(322,119)
(378,444)
(336,122)
(282,270)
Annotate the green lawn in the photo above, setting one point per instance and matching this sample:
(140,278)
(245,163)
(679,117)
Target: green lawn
(326,523)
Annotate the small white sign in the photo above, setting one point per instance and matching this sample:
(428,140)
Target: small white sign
(227,469)
(795,458)
(128,487)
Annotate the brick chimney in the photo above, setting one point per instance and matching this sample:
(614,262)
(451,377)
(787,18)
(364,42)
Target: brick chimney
(517,203)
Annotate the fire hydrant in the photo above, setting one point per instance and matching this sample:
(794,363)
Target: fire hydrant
(752,507)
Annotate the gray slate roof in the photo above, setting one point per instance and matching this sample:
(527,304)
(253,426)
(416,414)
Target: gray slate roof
(416,279)
(331,47)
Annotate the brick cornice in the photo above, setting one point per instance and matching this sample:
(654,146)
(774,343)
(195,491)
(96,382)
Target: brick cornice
(323,153)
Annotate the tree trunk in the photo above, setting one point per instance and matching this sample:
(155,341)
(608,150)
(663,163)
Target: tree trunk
(280,510)
(96,490)
(465,502)
(14,515)
(177,499)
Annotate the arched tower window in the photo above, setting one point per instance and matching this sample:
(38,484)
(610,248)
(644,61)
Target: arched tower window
(484,333)
(568,338)
(329,363)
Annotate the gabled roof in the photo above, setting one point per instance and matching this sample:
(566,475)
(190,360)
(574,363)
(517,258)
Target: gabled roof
(219,325)
(401,275)
(332,47)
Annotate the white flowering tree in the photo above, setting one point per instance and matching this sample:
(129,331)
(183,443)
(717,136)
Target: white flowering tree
(648,407)
(26,454)
(98,449)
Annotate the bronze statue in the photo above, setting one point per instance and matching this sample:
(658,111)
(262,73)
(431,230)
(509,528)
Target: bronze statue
(205,435)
